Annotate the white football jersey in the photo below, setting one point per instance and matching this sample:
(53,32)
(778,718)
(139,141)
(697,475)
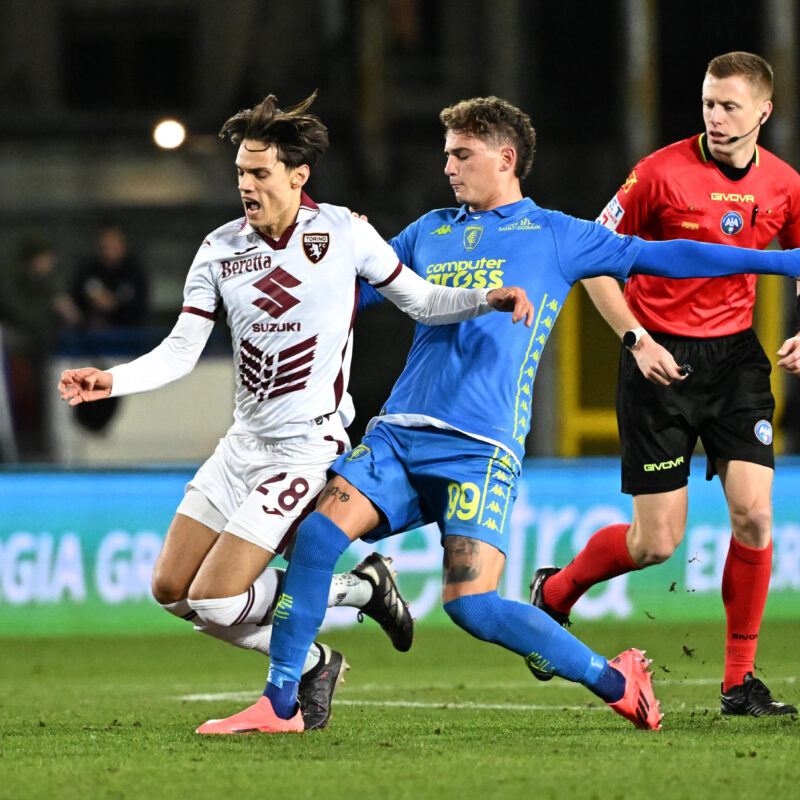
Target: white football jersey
(290,306)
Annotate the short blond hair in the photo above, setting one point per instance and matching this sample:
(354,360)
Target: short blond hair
(753,68)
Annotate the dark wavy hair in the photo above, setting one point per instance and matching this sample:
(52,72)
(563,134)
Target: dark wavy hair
(494,120)
(299,138)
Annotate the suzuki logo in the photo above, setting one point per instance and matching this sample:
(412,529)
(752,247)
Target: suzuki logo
(277,301)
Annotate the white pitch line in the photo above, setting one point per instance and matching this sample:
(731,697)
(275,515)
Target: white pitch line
(658,680)
(244,696)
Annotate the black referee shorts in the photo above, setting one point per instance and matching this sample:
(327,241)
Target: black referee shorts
(726,402)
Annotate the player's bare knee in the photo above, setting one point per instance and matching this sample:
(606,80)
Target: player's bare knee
(655,554)
(651,550)
(167,588)
(202,590)
(752,526)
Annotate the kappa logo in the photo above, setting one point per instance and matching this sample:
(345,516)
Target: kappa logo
(284,606)
(472,235)
(763,431)
(315,245)
(731,222)
(442,231)
(538,662)
(662,465)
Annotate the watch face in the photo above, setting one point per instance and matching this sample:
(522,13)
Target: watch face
(629,338)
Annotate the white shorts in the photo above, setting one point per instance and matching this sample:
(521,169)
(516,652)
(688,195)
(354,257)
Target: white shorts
(263,490)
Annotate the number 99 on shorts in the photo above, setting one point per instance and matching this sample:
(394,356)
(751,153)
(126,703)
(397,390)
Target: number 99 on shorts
(463,500)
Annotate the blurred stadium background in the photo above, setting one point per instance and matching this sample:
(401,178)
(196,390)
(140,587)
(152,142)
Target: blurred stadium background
(83,83)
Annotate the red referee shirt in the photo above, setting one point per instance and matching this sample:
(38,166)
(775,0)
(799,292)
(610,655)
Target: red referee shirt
(678,192)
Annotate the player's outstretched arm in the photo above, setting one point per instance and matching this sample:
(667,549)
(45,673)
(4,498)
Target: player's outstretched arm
(682,258)
(512,299)
(84,385)
(432,304)
(174,358)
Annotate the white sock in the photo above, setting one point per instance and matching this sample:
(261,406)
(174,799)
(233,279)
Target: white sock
(248,636)
(255,637)
(348,589)
(254,605)
(180,608)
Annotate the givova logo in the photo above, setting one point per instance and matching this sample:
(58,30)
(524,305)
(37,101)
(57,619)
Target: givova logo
(662,465)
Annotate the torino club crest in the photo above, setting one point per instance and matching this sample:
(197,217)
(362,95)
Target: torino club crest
(315,245)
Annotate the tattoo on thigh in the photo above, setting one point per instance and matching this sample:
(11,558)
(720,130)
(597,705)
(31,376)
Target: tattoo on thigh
(461,559)
(334,492)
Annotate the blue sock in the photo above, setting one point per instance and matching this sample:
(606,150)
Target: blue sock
(302,605)
(609,684)
(527,630)
(283,698)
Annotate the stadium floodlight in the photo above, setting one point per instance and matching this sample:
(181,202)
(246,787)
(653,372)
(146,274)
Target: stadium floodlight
(169,134)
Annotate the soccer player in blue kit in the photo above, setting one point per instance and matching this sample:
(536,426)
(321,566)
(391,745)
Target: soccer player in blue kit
(448,444)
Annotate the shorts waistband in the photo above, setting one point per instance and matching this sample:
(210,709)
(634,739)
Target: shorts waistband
(660,336)
(328,424)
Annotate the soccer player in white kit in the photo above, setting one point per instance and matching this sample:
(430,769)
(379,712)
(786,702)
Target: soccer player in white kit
(286,276)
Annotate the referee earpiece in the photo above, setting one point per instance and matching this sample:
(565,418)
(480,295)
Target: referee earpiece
(755,127)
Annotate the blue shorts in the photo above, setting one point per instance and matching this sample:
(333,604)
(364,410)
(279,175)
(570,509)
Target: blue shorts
(421,475)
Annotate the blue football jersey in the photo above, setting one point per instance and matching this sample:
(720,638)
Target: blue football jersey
(477,376)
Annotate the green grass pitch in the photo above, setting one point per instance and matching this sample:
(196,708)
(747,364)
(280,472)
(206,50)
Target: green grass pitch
(114,717)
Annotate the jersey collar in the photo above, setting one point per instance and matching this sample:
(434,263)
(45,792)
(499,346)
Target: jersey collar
(509,210)
(307,211)
(705,153)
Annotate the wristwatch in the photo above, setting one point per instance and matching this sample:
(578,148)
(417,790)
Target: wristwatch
(631,338)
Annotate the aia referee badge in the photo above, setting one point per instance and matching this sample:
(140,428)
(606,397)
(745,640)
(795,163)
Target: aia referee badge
(315,245)
(731,222)
(472,235)
(763,431)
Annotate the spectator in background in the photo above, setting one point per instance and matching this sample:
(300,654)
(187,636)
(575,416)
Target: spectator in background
(34,308)
(111,288)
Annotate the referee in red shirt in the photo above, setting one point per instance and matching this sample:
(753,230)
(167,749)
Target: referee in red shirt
(691,365)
